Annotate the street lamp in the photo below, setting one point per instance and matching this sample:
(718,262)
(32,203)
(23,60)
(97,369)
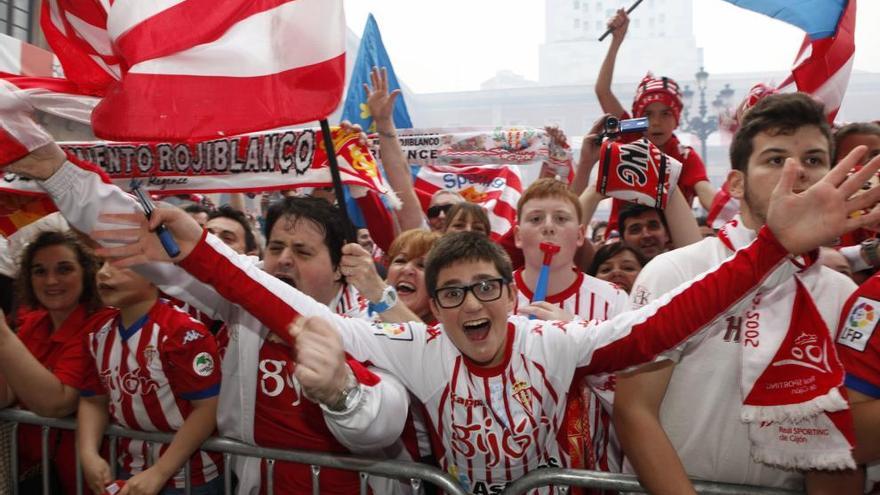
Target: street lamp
(702,125)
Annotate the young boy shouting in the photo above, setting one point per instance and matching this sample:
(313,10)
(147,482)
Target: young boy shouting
(151,368)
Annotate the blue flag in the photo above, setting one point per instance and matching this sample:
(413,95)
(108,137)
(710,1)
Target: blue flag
(371,54)
(818,18)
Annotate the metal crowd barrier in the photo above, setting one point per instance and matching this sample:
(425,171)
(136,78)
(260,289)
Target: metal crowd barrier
(622,483)
(415,472)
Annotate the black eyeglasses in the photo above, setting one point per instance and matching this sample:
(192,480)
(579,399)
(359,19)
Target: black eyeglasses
(485,290)
(436,210)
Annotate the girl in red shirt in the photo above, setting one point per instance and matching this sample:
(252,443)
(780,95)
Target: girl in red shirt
(38,364)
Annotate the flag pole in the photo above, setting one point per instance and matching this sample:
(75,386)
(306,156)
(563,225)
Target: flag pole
(628,11)
(337,179)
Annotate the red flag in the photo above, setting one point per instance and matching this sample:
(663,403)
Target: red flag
(823,66)
(195,69)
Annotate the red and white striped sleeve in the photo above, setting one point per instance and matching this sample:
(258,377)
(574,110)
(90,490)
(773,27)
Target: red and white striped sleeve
(639,336)
(398,348)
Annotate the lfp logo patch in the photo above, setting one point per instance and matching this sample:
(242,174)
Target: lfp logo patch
(859,324)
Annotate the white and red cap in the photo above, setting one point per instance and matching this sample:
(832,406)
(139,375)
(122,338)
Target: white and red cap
(657,89)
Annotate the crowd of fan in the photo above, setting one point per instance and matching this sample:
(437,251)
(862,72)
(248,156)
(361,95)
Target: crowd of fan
(203,346)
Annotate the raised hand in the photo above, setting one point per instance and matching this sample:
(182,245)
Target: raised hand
(618,26)
(139,244)
(592,143)
(804,221)
(321,368)
(359,269)
(379,100)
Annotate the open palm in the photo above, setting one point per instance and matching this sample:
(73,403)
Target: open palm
(379,100)
(817,216)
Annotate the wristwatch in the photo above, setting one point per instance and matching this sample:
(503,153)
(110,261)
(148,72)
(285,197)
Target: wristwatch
(869,249)
(386,302)
(349,397)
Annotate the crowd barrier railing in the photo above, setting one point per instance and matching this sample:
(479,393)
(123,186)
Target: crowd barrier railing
(622,483)
(416,473)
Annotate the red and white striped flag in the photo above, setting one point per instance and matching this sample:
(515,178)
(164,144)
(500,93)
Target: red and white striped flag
(24,59)
(197,69)
(823,66)
(497,188)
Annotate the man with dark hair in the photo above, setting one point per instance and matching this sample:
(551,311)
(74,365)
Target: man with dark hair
(644,228)
(692,414)
(233,228)
(199,212)
(304,247)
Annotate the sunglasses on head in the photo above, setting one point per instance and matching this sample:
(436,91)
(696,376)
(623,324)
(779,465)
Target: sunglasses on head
(436,210)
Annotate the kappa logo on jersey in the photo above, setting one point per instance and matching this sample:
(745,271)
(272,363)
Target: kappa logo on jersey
(191,336)
(807,354)
(466,401)
(561,325)
(860,324)
(203,364)
(433,333)
(394,331)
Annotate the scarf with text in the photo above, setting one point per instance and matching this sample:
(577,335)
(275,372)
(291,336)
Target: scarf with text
(791,381)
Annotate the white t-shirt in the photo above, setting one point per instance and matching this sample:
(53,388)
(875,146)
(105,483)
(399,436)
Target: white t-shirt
(701,410)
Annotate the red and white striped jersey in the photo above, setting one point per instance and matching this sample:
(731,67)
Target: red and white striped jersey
(587,297)
(151,371)
(493,425)
(590,440)
(349,302)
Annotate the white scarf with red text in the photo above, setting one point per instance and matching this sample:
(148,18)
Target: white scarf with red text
(791,382)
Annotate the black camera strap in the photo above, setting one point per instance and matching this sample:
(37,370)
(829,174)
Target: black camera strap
(661,175)
(606,165)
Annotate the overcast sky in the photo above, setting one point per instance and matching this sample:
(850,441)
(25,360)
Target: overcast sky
(454,45)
